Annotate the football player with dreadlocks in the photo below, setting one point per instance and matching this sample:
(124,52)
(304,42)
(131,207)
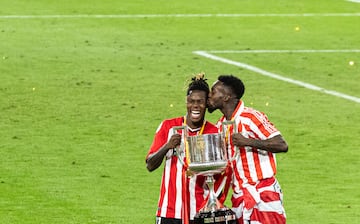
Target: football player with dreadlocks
(181,195)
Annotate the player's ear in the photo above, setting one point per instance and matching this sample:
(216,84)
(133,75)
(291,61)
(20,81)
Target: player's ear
(227,97)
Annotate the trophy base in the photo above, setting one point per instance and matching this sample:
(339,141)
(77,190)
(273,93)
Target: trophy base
(219,216)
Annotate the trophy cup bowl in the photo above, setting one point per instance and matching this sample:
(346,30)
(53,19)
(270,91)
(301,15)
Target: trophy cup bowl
(206,154)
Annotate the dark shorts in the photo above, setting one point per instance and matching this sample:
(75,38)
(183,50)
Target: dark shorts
(161,220)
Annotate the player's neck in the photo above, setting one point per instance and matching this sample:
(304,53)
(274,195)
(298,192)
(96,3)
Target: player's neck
(229,109)
(194,125)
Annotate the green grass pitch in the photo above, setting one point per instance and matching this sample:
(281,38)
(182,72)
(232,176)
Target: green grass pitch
(84,85)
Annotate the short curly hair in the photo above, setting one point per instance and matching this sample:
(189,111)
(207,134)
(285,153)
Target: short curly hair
(234,83)
(198,82)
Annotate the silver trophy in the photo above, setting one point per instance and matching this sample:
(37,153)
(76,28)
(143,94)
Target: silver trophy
(208,155)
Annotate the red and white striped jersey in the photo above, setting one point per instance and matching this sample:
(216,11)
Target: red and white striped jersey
(253,164)
(172,188)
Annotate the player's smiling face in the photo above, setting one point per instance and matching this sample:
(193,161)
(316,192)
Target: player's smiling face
(196,106)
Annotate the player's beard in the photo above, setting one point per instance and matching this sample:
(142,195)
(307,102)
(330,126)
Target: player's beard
(211,108)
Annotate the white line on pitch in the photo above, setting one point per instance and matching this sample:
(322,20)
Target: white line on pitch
(135,16)
(356,1)
(285,51)
(276,76)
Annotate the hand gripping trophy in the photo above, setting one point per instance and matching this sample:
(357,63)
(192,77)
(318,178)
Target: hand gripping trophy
(208,155)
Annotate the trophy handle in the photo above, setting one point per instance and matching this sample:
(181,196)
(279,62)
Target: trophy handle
(179,151)
(225,123)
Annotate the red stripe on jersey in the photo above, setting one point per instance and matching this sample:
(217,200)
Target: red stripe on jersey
(266,217)
(245,164)
(272,162)
(236,202)
(266,182)
(257,164)
(238,178)
(269,196)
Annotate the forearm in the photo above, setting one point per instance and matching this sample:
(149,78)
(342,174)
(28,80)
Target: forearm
(155,160)
(275,144)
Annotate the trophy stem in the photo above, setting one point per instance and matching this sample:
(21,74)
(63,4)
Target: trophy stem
(212,203)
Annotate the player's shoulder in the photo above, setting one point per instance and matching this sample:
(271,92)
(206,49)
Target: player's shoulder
(177,121)
(169,123)
(250,114)
(252,111)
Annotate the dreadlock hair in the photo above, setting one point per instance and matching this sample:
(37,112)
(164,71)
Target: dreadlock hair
(198,82)
(234,83)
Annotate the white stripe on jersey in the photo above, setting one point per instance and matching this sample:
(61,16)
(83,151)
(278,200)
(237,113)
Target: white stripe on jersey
(192,182)
(251,162)
(273,206)
(179,191)
(265,165)
(166,180)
